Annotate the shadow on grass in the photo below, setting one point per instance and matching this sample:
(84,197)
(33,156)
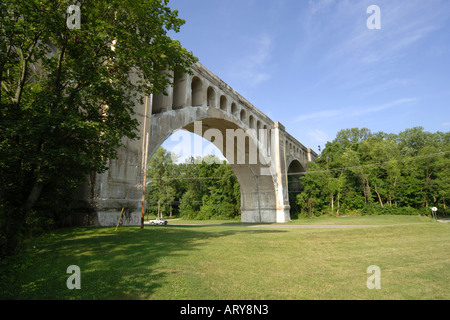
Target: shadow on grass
(114,265)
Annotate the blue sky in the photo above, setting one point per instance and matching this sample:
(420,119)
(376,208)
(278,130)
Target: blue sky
(314,65)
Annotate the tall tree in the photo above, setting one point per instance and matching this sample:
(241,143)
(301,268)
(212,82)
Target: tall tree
(67,95)
(193,188)
(311,200)
(161,190)
(222,198)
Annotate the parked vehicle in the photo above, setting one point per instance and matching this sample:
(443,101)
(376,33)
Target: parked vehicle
(158,221)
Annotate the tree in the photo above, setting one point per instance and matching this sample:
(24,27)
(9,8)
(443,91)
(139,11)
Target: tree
(161,189)
(377,172)
(67,95)
(311,200)
(205,188)
(442,179)
(350,138)
(192,188)
(381,159)
(412,140)
(223,197)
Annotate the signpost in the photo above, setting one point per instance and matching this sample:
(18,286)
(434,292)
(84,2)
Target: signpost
(433,213)
(145,154)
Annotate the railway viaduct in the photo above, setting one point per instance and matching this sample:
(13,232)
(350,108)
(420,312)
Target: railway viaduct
(260,151)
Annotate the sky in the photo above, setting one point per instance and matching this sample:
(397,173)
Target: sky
(317,68)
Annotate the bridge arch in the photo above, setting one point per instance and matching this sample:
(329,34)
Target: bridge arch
(256,175)
(234,109)
(197,92)
(223,103)
(243,116)
(179,91)
(211,97)
(295,172)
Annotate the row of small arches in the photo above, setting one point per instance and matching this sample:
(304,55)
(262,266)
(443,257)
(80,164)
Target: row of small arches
(296,151)
(179,99)
(233,109)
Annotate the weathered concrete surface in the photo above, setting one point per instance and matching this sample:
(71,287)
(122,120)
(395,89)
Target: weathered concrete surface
(259,150)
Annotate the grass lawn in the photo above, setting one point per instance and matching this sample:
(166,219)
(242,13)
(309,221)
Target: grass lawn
(238,262)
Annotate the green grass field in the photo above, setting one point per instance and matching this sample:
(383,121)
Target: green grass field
(238,262)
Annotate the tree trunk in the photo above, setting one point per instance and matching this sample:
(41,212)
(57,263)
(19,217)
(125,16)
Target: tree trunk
(159,207)
(34,195)
(332,203)
(367,192)
(366,187)
(338,202)
(445,207)
(379,197)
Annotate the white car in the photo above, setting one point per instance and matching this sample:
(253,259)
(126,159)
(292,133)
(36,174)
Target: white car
(158,221)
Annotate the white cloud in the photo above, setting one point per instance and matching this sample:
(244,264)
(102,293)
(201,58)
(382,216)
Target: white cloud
(388,105)
(403,24)
(263,49)
(391,84)
(333,35)
(319,115)
(318,136)
(354,111)
(252,68)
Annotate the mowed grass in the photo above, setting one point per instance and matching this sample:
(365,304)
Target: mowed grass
(238,262)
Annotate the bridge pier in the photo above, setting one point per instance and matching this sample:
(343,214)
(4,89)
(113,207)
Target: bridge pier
(270,202)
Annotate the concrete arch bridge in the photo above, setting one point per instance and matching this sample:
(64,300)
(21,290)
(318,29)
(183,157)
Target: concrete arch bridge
(259,150)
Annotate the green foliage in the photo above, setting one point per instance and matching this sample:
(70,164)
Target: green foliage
(161,191)
(190,205)
(204,188)
(361,172)
(67,98)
